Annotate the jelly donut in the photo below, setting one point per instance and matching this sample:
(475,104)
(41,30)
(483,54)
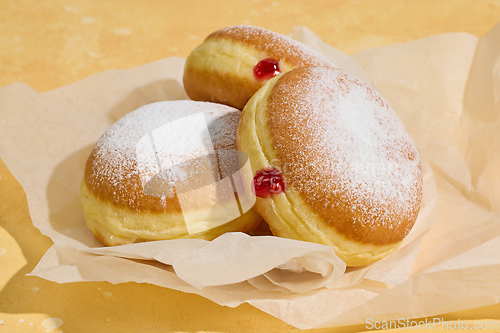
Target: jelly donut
(333,163)
(233,63)
(141,168)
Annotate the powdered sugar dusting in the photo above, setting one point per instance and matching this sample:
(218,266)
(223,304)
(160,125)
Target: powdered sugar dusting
(346,152)
(278,46)
(112,170)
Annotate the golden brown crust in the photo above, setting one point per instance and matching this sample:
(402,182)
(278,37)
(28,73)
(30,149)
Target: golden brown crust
(276,46)
(130,194)
(317,163)
(223,88)
(112,225)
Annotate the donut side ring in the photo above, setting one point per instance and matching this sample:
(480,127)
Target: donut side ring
(114,225)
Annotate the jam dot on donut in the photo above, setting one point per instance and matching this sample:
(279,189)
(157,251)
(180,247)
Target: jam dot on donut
(266,69)
(268,181)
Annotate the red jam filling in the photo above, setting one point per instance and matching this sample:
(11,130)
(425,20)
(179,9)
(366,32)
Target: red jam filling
(266,69)
(268,181)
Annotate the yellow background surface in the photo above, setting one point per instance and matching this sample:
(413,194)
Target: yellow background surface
(47,44)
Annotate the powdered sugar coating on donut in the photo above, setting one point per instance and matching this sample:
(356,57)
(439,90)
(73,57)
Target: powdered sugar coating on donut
(345,151)
(277,46)
(112,171)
